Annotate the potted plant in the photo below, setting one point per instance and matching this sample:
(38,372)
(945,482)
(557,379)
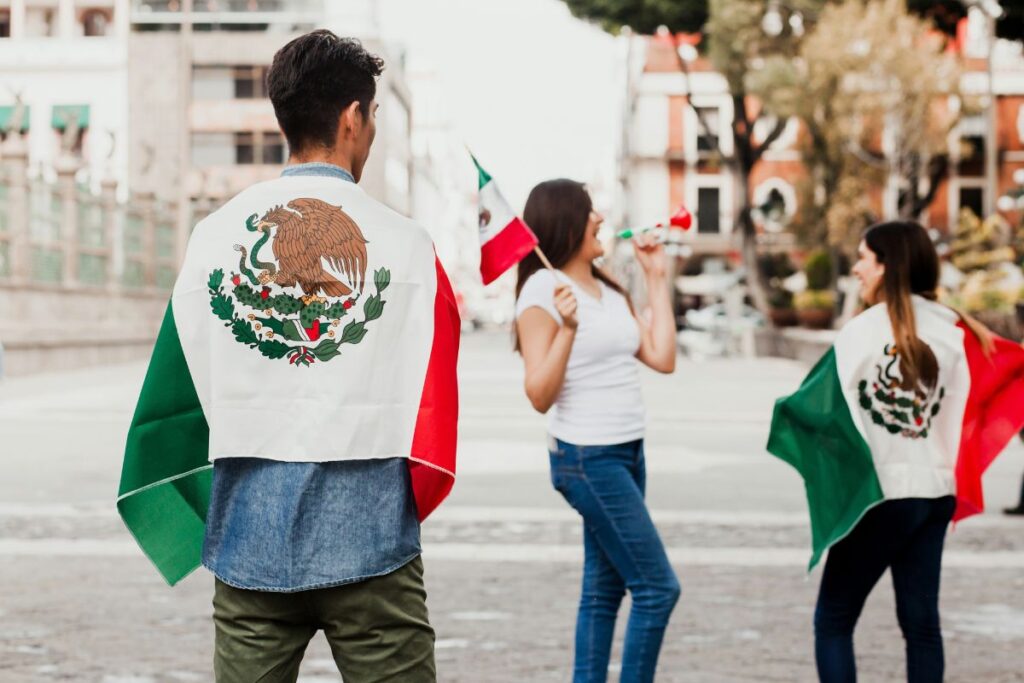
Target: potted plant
(815,307)
(781,311)
(776,268)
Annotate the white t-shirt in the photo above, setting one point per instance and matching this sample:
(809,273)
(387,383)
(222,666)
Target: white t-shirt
(600,402)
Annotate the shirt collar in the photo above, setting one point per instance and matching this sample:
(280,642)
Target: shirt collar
(318,168)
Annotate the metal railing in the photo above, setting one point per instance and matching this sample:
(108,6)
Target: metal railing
(61,235)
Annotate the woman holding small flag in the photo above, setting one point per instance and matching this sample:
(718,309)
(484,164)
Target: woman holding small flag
(891,431)
(580,341)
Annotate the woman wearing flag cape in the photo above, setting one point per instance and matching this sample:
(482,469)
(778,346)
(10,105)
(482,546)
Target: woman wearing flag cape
(891,431)
(580,342)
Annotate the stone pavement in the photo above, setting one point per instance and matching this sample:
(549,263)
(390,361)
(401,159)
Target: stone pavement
(78,602)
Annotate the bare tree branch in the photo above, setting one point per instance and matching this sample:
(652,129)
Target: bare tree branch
(938,167)
(775,134)
(701,118)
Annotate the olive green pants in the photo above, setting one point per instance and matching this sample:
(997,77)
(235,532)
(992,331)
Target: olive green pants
(378,630)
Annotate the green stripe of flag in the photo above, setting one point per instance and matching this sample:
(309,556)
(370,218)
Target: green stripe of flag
(483,176)
(814,432)
(166,476)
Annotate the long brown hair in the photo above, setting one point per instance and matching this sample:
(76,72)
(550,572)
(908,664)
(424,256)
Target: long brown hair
(558,212)
(911,267)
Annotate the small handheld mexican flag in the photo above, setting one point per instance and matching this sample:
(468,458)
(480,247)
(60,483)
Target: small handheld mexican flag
(858,438)
(504,238)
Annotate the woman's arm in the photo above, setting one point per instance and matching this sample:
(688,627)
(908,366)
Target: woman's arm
(545,346)
(657,339)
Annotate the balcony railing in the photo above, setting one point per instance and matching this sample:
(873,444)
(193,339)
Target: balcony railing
(61,235)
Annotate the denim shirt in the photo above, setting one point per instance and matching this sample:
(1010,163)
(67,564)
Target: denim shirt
(292,526)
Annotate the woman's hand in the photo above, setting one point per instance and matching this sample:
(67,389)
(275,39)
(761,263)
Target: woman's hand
(658,336)
(565,304)
(650,254)
(546,347)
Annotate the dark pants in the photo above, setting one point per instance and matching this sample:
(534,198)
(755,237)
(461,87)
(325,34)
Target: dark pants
(622,551)
(378,630)
(905,536)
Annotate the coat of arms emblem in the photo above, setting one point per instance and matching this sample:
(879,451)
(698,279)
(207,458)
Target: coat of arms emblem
(903,412)
(292,305)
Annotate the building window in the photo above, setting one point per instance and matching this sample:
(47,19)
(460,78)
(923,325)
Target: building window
(971,153)
(972,198)
(250,82)
(774,203)
(708,199)
(245,148)
(96,22)
(157,5)
(213,149)
(213,83)
(40,22)
(242,5)
(5,23)
(273,148)
(707,138)
(786,141)
(259,148)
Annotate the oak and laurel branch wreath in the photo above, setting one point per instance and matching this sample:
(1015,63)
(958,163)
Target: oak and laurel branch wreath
(222,304)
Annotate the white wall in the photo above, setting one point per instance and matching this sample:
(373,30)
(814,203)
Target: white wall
(649,192)
(649,134)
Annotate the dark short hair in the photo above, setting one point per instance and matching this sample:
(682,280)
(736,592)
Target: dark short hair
(313,79)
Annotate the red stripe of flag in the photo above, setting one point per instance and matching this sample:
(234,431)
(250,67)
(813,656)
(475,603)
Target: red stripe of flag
(432,459)
(505,249)
(994,415)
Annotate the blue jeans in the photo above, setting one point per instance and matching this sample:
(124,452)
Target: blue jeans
(906,536)
(622,551)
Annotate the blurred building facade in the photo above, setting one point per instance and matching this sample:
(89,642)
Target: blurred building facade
(125,121)
(203,127)
(669,159)
(65,61)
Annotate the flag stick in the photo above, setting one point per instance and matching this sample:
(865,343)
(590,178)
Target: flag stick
(542,257)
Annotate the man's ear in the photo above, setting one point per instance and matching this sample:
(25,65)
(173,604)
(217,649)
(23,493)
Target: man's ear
(351,118)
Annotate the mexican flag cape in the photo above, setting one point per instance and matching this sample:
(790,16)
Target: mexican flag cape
(309,323)
(504,238)
(857,438)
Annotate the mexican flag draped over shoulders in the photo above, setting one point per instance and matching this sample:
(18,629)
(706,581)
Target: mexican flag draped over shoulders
(858,438)
(309,323)
(504,238)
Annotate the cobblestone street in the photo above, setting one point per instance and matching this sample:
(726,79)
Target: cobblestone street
(503,555)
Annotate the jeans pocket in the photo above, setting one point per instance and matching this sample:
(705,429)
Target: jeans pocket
(565,463)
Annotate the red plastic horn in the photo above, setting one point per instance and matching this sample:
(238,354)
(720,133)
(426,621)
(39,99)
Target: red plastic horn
(682,218)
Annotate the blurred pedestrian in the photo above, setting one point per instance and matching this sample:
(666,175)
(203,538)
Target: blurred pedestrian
(1019,508)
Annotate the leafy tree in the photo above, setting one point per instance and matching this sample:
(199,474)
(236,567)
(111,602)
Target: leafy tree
(741,50)
(871,67)
(643,16)
(945,14)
